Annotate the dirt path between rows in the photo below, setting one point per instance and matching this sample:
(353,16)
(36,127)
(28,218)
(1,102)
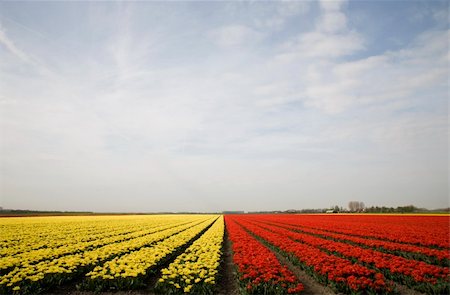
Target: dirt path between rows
(311,286)
(228,282)
(404,290)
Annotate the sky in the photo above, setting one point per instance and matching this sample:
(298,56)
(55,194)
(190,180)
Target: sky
(210,106)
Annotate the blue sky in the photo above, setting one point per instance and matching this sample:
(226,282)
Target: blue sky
(201,106)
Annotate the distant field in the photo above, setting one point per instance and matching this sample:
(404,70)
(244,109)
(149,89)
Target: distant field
(231,254)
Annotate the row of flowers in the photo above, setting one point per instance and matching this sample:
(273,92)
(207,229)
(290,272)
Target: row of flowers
(130,271)
(259,270)
(415,274)
(196,270)
(33,278)
(21,235)
(414,230)
(7,263)
(429,255)
(340,274)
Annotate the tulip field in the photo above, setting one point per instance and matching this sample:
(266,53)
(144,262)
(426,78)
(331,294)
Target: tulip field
(225,254)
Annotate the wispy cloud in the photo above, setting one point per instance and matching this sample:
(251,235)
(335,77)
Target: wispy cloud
(12,48)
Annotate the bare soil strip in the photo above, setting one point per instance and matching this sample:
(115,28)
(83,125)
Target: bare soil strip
(404,290)
(228,281)
(134,292)
(312,287)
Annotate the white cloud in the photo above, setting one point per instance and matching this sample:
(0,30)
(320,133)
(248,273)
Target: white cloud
(333,85)
(233,36)
(285,10)
(330,39)
(323,45)
(331,5)
(376,79)
(333,22)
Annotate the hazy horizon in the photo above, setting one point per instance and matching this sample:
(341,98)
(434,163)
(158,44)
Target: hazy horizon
(213,106)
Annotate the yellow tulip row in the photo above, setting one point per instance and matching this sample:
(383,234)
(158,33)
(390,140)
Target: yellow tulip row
(52,251)
(48,227)
(197,268)
(115,273)
(51,270)
(20,236)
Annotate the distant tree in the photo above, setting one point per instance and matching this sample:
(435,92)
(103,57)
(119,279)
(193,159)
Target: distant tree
(361,206)
(355,206)
(351,206)
(406,209)
(400,209)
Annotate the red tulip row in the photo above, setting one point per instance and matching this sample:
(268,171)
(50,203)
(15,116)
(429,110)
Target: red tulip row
(259,270)
(340,274)
(404,229)
(416,274)
(433,256)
